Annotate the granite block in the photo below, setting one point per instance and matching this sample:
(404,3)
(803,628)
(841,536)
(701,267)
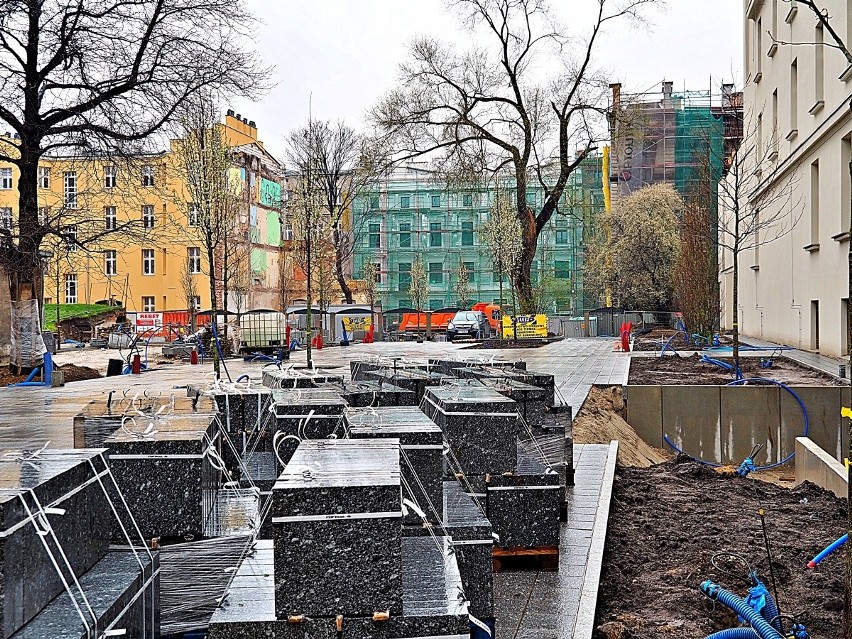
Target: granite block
(292,378)
(422,447)
(307,414)
(430,591)
(336,515)
(452,366)
(29,483)
(122,590)
(480,425)
(100,418)
(545,381)
(524,509)
(414,380)
(377,393)
(242,410)
(359,368)
(166,475)
(531,400)
(472,537)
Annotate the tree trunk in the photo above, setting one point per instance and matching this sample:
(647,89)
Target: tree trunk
(522,276)
(309,316)
(339,256)
(211,270)
(736,324)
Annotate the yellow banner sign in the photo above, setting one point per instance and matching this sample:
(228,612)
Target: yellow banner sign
(356,323)
(528,326)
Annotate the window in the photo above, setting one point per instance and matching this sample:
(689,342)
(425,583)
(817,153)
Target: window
(147,216)
(815,203)
(44,177)
(110,263)
(758,50)
(405,235)
(147,175)
(43,214)
(71,289)
(378,270)
(70,181)
(149,304)
(5,218)
(436,201)
(435,237)
(531,198)
(467,234)
(562,236)
(70,233)
(374,202)
(436,273)
(148,262)
(774,119)
(192,214)
(196,302)
(404,201)
(5,179)
(846,205)
(819,69)
(471,273)
(760,155)
(404,276)
(194,256)
(110,218)
(496,276)
(562,270)
(794,96)
(109,177)
(467,199)
(374,237)
(435,304)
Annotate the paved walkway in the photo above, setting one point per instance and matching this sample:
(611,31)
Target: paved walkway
(561,605)
(826,364)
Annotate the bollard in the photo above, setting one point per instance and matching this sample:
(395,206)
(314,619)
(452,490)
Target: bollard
(193,356)
(136,367)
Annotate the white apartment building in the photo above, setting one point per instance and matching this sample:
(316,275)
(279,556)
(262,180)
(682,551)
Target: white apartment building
(794,289)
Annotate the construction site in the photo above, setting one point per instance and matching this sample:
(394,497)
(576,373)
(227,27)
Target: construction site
(397,491)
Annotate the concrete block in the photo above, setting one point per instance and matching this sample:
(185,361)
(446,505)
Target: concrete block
(376,393)
(750,415)
(479,424)
(166,474)
(308,414)
(123,591)
(645,414)
(336,515)
(29,483)
(818,466)
(421,443)
(696,432)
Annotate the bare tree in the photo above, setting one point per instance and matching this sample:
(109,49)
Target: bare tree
(419,287)
(203,162)
(189,288)
(346,165)
(463,289)
(750,213)
(101,77)
(370,274)
(488,108)
(502,236)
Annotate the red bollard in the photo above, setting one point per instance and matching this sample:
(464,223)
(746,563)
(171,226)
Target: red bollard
(319,341)
(136,366)
(193,356)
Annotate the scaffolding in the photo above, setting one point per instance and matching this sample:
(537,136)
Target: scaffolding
(412,215)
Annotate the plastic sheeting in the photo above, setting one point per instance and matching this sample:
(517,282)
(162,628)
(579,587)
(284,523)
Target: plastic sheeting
(27,344)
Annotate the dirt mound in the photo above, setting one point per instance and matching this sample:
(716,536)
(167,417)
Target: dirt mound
(674,369)
(601,420)
(74,373)
(666,523)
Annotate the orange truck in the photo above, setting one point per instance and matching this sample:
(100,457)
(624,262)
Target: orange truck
(417,321)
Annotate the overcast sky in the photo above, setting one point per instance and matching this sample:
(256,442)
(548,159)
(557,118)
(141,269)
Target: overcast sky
(341,55)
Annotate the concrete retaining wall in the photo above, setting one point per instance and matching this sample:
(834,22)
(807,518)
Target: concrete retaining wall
(723,423)
(815,465)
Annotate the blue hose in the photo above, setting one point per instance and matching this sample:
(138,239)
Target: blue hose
(735,633)
(830,549)
(738,383)
(685,334)
(761,626)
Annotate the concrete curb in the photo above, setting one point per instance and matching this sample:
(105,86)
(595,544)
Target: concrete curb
(585,624)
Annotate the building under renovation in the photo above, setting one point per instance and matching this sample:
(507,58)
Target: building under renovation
(412,215)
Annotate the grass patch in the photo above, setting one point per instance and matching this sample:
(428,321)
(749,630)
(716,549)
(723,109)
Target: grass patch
(73,311)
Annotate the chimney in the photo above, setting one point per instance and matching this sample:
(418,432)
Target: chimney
(616,95)
(667,94)
(231,112)
(252,124)
(239,117)
(245,120)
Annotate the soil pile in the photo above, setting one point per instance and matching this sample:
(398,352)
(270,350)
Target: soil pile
(602,419)
(75,373)
(674,369)
(666,523)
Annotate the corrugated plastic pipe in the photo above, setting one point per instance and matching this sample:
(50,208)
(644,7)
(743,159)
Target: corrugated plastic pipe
(761,626)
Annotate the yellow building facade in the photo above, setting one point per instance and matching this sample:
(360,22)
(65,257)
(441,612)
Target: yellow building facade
(136,241)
